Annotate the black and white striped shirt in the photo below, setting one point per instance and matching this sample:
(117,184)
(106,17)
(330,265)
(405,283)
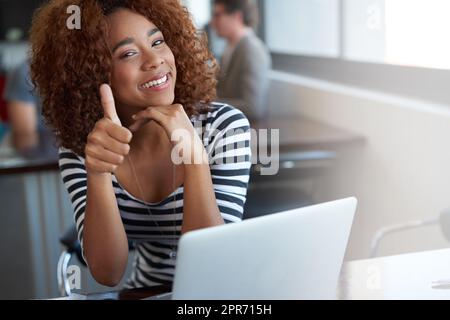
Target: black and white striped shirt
(225,133)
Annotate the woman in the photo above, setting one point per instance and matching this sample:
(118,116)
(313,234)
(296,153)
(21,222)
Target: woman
(117,92)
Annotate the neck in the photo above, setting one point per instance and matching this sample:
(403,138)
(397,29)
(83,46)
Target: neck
(150,139)
(237,35)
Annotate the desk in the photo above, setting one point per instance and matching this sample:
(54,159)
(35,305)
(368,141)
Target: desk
(134,294)
(402,277)
(305,142)
(297,133)
(307,150)
(302,133)
(41,157)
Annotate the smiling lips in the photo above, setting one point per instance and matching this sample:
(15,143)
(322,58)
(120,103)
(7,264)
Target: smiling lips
(154,84)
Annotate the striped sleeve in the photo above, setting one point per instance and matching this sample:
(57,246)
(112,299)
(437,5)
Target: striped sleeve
(73,172)
(230,160)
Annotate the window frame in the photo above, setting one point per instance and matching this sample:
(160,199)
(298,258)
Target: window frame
(415,82)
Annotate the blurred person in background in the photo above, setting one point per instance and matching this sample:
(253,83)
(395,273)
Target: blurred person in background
(246,62)
(24,108)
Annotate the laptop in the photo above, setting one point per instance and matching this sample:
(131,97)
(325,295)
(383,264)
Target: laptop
(292,255)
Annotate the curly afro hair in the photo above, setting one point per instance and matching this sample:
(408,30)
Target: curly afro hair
(68,66)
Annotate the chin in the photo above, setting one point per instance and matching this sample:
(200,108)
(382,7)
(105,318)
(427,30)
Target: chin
(160,102)
(157,101)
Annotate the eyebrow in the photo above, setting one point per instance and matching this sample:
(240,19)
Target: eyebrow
(126,41)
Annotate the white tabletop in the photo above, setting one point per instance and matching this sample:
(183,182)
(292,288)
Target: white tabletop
(424,275)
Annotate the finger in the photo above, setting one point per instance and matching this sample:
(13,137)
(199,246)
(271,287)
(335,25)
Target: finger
(137,125)
(109,107)
(110,144)
(119,133)
(105,155)
(152,113)
(143,117)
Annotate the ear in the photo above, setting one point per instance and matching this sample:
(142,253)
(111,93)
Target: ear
(239,15)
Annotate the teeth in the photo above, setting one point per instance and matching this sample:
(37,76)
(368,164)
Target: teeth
(155,82)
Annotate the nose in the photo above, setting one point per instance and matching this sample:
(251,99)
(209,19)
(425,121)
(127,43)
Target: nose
(151,60)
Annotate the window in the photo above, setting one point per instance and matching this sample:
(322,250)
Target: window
(200,11)
(399,32)
(392,46)
(305,27)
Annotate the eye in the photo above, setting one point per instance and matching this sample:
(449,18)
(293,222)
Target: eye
(127,54)
(158,42)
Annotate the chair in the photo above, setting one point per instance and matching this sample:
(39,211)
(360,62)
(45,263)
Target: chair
(72,247)
(281,192)
(443,221)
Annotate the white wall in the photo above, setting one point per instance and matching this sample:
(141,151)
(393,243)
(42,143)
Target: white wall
(401,174)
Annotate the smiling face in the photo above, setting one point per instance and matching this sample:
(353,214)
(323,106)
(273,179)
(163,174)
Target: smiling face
(143,66)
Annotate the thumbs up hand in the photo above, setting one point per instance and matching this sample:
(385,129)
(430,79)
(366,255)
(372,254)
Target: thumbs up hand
(108,143)
(109,107)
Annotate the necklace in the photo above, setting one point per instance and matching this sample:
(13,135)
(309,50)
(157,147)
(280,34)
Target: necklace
(173,252)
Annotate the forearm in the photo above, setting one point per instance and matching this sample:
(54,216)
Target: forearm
(200,206)
(23,117)
(104,239)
